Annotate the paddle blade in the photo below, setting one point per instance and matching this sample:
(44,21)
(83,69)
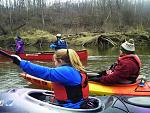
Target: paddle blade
(5,54)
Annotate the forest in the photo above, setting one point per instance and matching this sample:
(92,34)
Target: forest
(85,15)
(70,17)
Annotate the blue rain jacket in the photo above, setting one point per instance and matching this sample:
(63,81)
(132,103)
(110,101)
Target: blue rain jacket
(59,44)
(66,75)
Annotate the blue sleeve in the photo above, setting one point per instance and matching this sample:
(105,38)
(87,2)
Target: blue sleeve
(53,46)
(64,74)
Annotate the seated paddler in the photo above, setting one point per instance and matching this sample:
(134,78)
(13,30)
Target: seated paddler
(125,70)
(58,43)
(69,80)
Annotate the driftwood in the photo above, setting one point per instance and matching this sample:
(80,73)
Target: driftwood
(100,41)
(110,41)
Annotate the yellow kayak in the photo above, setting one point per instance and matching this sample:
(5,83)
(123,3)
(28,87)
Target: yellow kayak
(98,88)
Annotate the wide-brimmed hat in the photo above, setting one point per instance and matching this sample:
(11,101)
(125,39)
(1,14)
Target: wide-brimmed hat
(128,46)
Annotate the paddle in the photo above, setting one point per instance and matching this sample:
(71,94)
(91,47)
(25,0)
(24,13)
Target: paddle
(5,54)
(91,74)
(33,52)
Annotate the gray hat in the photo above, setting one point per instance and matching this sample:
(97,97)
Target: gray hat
(128,45)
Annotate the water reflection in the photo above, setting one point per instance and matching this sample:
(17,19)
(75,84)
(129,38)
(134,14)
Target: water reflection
(99,59)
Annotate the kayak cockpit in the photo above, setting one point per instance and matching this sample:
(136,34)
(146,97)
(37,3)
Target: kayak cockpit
(26,100)
(47,98)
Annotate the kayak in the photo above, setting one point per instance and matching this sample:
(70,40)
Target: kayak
(132,104)
(46,56)
(27,100)
(99,89)
(134,89)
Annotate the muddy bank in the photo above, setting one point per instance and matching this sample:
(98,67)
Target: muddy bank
(40,38)
(109,39)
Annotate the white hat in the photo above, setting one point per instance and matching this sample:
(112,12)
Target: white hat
(128,45)
(58,35)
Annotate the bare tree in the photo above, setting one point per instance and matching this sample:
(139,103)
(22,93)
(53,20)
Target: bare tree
(69,16)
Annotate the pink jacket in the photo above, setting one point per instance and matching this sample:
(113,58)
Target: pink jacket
(126,70)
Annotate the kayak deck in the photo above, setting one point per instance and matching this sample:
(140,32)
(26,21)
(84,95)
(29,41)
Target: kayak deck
(27,100)
(120,89)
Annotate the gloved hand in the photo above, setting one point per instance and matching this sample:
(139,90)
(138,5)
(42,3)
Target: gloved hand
(94,78)
(101,73)
(16,59)
(52,46)
(112,66)
(97,77)
(16,53)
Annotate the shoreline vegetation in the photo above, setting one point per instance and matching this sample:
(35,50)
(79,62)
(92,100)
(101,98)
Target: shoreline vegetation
(86,22)
(39,38)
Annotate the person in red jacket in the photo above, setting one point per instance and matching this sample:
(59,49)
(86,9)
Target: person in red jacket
(125,70)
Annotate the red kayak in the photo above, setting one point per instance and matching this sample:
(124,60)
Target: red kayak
(83,54)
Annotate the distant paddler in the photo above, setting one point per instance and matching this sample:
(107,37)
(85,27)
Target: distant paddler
(58,43)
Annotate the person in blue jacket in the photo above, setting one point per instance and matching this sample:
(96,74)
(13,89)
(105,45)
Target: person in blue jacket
(19,45)
(59,43)
(69,80)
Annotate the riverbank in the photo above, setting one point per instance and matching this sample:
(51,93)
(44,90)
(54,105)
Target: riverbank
(39,38)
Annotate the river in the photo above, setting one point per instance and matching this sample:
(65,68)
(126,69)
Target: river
(98,59)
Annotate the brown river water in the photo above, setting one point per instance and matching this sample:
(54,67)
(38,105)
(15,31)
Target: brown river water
(99,59)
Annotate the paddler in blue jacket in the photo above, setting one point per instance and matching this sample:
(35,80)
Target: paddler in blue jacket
(58,43)
(69,80)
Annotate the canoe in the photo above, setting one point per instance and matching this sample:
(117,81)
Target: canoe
(27,100)
(132,104)
(46,56)
(98,88)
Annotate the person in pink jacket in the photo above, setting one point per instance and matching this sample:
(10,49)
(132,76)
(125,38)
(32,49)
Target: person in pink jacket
(125,70)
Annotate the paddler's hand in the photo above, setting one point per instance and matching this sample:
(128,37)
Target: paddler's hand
(97,77)
(101,73)
(94,78)
(16,59)
(113,66)
(16,53)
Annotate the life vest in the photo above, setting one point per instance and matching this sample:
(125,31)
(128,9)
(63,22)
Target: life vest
(135,57)
(73,93)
